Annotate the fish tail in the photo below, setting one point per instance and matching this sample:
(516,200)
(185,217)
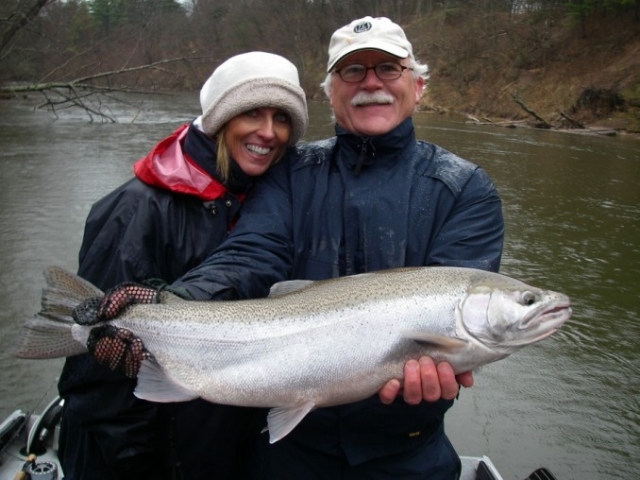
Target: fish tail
(49,334)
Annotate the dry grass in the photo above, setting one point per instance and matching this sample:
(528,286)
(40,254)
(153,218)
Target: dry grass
(478,63)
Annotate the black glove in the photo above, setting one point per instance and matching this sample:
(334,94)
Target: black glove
(116,299)
(121,296)
(115,347)
(118,349)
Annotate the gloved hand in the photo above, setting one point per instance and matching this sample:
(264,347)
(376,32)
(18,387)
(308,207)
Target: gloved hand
(96,309)
(118,349)
(116,299)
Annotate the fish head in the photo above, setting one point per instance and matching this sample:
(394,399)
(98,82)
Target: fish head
(509,316)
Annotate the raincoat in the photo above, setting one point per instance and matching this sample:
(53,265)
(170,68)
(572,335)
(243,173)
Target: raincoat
(344,206)
(157,225)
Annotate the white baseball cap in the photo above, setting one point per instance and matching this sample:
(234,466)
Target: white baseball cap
(368,33)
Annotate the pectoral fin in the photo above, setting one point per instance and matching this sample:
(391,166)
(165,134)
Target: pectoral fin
(433,340)
(155,386)
(288,286)
(281,420)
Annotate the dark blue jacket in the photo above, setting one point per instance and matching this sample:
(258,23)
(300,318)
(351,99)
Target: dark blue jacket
(349,205)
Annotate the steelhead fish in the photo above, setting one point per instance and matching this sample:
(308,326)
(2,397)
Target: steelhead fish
(309,344)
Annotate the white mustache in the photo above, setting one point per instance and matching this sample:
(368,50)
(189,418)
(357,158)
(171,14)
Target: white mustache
(366,98)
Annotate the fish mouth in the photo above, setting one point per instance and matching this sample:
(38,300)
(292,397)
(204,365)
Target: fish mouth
(546,323)
(550,316)
(556,315)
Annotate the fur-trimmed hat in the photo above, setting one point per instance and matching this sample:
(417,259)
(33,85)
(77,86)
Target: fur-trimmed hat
(253,80)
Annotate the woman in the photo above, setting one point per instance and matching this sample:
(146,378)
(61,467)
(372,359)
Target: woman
(178,208)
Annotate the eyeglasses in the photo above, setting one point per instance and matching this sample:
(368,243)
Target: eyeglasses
(384,71)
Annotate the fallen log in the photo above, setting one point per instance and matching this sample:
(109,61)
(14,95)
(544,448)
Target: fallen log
(543,122)
(572,121)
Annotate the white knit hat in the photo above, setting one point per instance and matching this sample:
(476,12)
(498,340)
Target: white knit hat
(368,34)
(253,80)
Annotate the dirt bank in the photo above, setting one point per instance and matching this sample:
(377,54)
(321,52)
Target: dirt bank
(521,69)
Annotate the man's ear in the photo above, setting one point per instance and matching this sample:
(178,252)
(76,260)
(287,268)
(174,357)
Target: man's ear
(419,88)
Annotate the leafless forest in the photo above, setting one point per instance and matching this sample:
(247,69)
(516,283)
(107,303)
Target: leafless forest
(482,54)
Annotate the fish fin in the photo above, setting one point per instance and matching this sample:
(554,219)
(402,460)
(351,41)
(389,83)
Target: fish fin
(283,288)
(64,287)
(155,386)
(49,333)
(167,298)
(41,337)
(281,420)
(431,339)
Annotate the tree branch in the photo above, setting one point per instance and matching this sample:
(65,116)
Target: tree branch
(78,92)
(542,121)
(82,81)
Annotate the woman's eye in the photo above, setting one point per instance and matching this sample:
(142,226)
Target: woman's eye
(281,118)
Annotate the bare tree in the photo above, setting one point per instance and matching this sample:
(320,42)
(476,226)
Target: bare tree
(83,73)
(19,19)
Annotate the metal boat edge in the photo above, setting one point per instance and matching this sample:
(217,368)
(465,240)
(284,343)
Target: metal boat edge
(29,449)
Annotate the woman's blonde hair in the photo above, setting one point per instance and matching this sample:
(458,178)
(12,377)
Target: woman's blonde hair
(223,164)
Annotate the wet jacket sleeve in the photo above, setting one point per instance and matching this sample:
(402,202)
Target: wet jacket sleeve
(472,233)
(139,232)
(259,251)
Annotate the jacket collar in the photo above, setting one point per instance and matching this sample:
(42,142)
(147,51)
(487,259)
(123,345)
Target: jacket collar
(358,152)
(185,162)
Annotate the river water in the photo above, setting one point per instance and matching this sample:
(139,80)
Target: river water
(572,210)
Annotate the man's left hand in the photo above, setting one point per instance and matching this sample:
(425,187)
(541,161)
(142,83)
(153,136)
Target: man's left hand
(424,380)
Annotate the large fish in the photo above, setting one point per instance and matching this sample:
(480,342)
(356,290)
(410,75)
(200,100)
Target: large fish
(310,344)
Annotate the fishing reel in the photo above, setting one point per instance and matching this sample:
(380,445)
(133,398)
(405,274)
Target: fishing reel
(34,470)
(40,439)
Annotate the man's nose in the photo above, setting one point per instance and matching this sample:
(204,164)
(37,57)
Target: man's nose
(371,79)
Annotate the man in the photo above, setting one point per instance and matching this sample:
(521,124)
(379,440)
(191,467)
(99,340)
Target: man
(368,199)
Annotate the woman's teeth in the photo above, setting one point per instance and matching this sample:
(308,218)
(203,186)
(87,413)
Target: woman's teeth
(258,150)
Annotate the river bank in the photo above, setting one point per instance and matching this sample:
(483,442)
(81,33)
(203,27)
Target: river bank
(538,72)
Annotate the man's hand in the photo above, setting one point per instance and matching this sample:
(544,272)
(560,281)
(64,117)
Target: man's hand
(424,380)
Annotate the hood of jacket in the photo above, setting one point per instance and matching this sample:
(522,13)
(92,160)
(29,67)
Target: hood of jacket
(184,162)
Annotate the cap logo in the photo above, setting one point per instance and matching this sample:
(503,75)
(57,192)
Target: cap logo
(362,27)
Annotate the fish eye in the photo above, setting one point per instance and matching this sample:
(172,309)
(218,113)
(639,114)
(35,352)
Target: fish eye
(528,299)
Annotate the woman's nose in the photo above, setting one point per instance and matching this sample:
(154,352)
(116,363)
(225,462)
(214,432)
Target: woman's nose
(266,128)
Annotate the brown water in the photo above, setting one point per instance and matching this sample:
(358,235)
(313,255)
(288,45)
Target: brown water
(572,208)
